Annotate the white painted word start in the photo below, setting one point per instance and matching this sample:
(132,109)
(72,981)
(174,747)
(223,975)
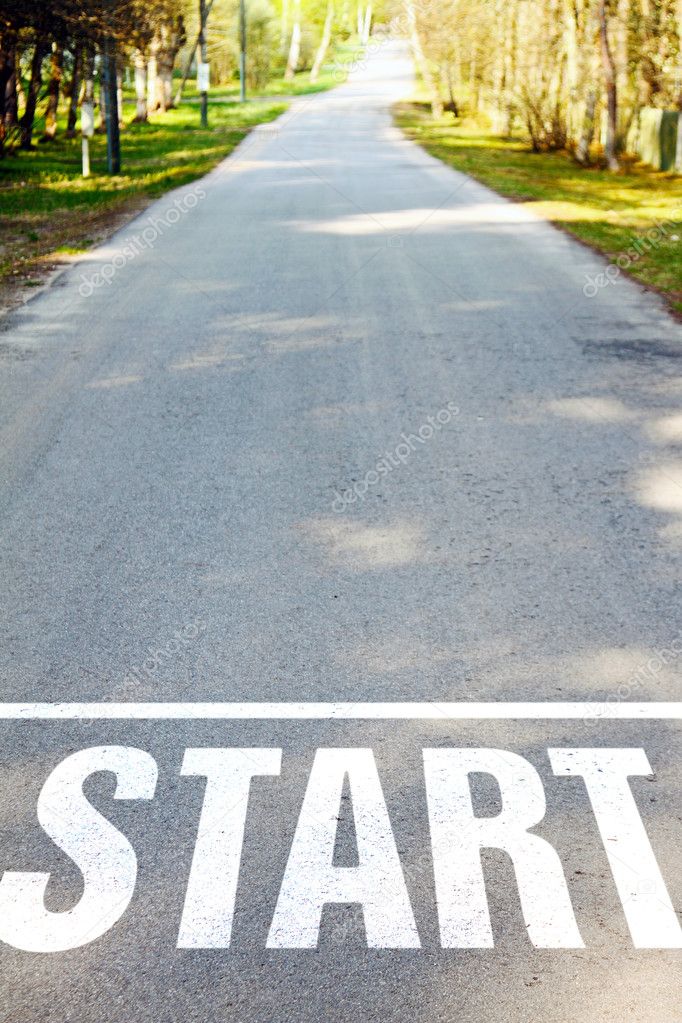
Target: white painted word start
(108,863)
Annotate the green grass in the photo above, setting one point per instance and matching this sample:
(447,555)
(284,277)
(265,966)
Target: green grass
(48,208)
(607,211)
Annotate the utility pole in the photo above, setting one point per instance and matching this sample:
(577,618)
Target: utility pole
(201,72)
(242,50)
(111,111)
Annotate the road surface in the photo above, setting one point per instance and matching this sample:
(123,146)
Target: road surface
(337,425)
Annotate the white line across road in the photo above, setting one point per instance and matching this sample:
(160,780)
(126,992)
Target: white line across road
(462,711)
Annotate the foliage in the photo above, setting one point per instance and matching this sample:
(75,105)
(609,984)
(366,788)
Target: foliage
(261,35)
(56,48)
(572,73)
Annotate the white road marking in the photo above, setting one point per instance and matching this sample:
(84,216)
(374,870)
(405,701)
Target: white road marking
(212,887)
(650,914)
(104,856)
(311,880)
(462,711)
(108,862)
(458,836)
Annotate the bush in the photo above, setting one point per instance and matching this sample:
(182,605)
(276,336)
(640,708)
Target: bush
(546,123)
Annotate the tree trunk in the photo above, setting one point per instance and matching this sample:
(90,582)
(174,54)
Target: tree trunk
(611,90)
(53,88)
(366,25)
(110,87)
(119,95)
(21,95)
(626,108)
(88,76)
(140,65)
(166,86)
(284,27)
(9,106)
(584,76)
(324,43)
(12,92)
(74,90)
(678,154)
(497,72)
(295,44)
(473,79)
(451,90)
(171,37)
(421,61)
(26,123)
(152,81)
(582,152)
(6,72)
(102,103)
(510,70)
(88,81)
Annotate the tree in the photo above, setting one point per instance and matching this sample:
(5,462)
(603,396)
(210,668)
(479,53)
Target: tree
(573,73)
(40,50)
(294,44)
(609,69)
(324,43)
(260,42)
(53,89)
(167,42)
(421,59)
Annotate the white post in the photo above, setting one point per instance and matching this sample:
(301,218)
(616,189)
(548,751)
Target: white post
(87,131)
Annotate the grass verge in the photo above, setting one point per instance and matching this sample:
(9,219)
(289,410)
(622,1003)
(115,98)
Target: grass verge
(48,211)
(610,212)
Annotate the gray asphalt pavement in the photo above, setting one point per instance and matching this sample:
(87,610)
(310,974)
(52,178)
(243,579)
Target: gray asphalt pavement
(338,424)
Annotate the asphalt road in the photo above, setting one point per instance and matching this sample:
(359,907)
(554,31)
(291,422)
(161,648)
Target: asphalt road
(343,427)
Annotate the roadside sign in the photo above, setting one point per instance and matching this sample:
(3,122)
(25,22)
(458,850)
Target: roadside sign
(203,77)
(87,120)
(87,131)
